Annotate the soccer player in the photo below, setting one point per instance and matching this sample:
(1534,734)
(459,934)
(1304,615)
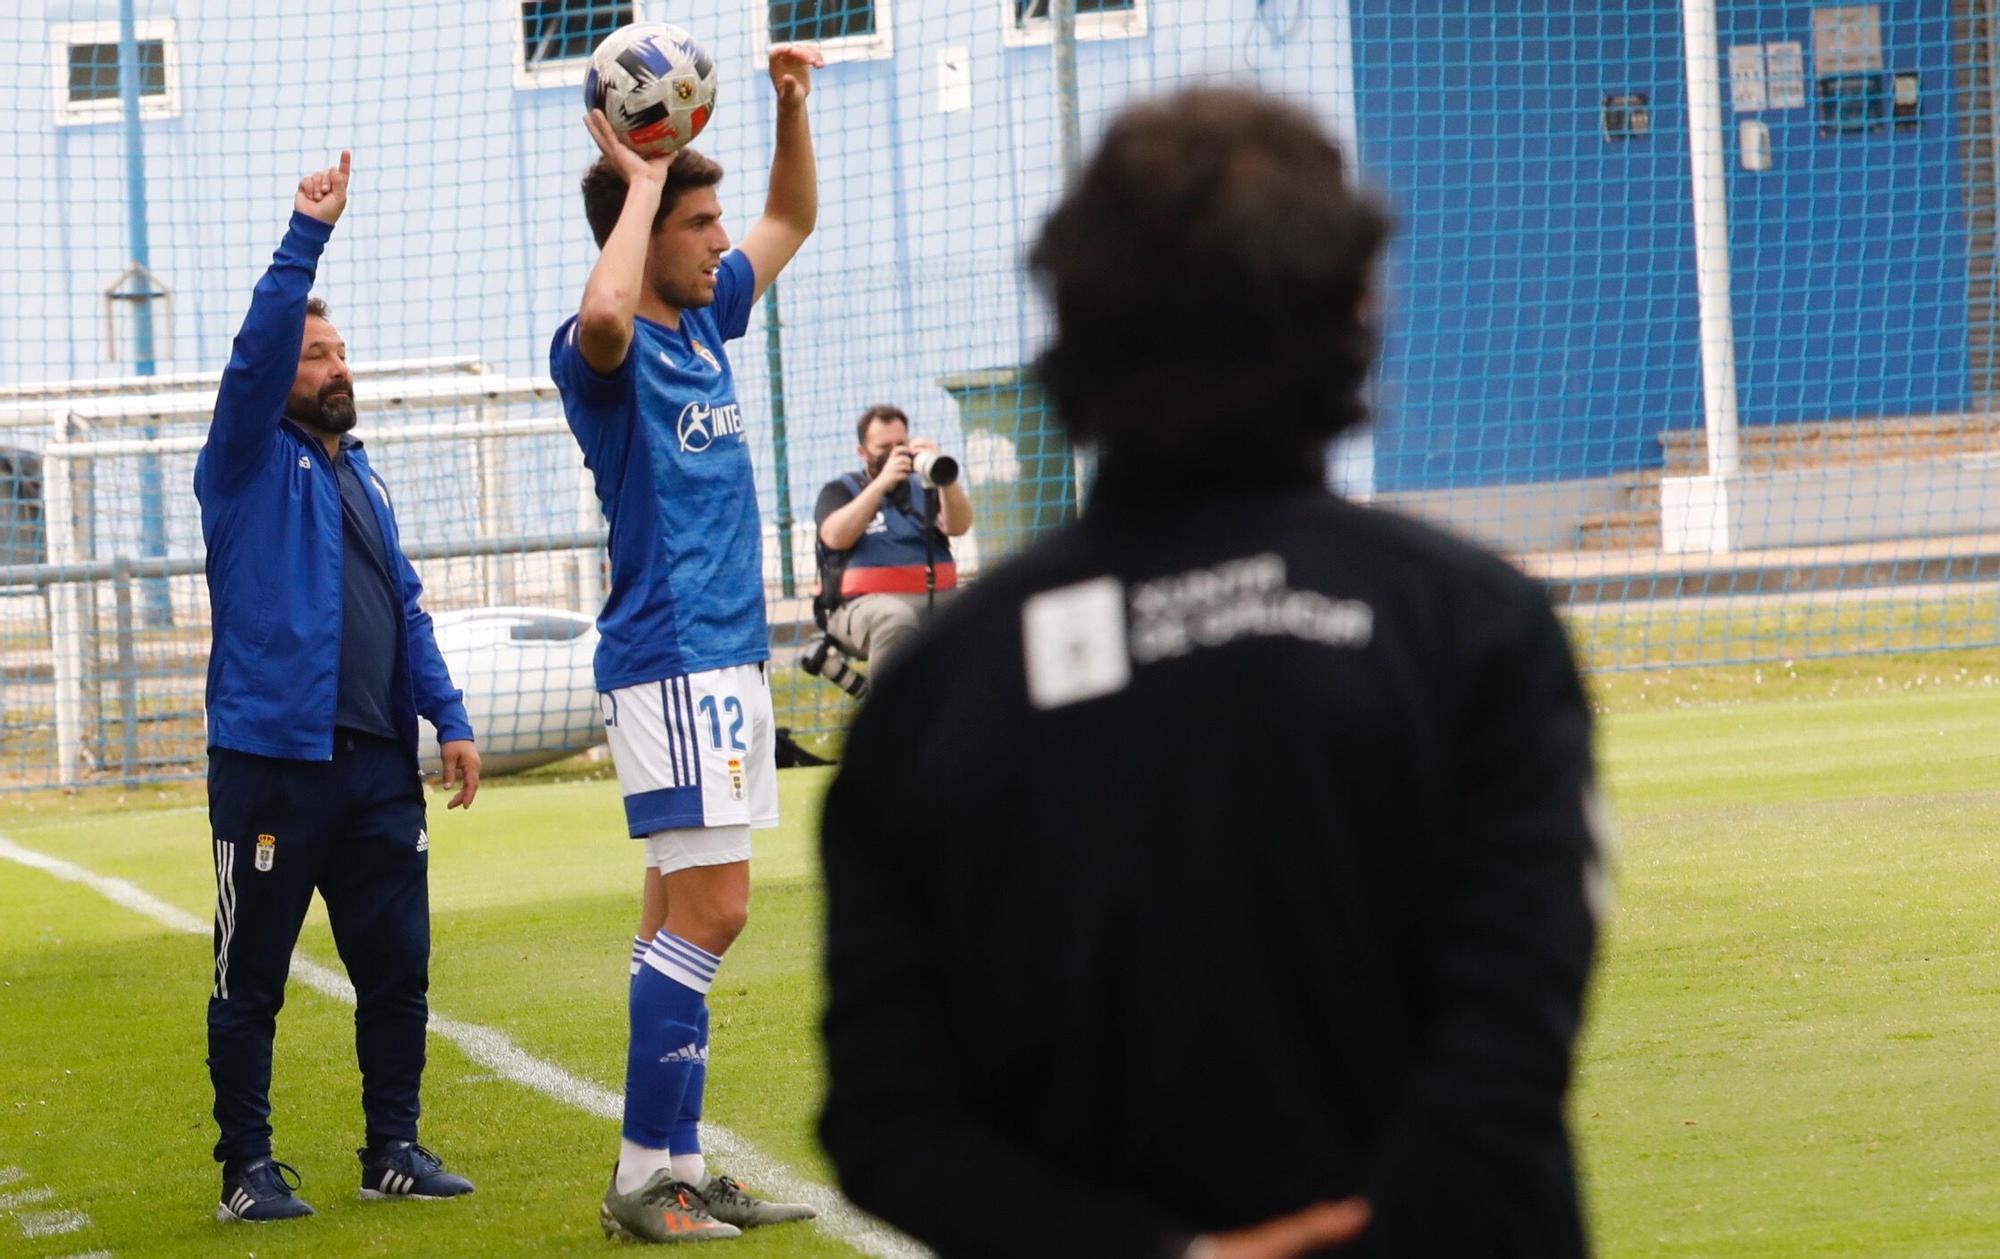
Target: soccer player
(322,661)
(646,385)
(1213,881)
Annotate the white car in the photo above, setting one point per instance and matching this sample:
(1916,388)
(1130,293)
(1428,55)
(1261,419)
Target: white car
(526,674)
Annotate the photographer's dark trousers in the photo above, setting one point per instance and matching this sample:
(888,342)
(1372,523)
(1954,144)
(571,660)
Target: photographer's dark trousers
(353,828)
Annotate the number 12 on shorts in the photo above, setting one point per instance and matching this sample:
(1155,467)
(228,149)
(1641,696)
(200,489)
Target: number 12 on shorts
(731,706)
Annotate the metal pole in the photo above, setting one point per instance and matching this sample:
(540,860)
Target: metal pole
(128,672)
(781,461)
(1062,20)
(159,609)
(1989,17)
(59,516)
(1711,237)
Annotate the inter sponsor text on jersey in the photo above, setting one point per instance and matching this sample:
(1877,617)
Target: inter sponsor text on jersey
(664,439)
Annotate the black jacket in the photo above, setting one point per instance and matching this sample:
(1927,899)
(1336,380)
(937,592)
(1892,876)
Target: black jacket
(1304,896)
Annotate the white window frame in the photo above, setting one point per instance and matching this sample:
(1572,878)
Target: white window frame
(876,47)
(65,35)
(567,72)
(1039,32)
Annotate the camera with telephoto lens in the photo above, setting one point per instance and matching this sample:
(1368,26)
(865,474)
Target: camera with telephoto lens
(933,469)
(823,660)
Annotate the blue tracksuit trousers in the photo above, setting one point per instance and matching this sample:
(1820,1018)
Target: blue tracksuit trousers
(353,828)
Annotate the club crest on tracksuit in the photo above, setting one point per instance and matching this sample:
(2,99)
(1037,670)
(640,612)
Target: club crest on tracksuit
(267,851)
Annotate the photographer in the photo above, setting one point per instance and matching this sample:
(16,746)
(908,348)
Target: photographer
(885,537)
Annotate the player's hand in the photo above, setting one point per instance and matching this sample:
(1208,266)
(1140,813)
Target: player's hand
(461,766)
(1322,1225)
(791,71)
(895,469)
(631,164)
(323,194)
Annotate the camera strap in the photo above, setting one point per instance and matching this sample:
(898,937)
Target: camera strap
(930,549)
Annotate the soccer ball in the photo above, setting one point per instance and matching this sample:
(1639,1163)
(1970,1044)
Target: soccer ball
(654,83)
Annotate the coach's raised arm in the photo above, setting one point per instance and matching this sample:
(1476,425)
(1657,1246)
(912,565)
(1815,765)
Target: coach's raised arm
(265,358)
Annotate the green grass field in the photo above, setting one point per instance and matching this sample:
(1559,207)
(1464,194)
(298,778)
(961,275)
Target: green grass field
(1787,1052)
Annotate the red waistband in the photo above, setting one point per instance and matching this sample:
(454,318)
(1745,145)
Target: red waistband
(899,579)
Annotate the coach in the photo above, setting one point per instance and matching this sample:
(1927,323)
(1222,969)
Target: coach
(1214,878)
(322,660)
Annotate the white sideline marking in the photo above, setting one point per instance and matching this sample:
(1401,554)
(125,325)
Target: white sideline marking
(52,1223)
(8,1175)
(493,1050)
(25,1198)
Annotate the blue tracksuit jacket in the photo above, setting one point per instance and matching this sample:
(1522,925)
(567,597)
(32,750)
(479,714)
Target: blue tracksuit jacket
(270,517)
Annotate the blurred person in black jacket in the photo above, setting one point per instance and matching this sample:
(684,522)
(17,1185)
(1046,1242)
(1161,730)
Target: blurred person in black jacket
(1218,877)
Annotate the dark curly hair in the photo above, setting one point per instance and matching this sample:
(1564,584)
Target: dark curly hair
(1210,271)
(604,190)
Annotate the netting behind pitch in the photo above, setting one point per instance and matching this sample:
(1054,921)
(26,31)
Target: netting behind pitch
(1768,442)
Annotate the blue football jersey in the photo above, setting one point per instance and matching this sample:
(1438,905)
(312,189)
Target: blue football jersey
(664,439)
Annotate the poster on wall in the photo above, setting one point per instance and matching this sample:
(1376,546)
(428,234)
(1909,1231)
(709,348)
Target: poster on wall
(1785,75)
(1847,39)
(1746,78)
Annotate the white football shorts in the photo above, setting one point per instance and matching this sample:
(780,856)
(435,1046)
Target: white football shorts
(699,750)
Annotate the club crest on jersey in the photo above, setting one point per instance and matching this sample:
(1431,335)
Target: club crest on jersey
(706,355)
(735,779)
(267,852)
(699,425)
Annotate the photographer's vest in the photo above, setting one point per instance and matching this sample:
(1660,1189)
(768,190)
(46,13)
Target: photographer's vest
(889,557)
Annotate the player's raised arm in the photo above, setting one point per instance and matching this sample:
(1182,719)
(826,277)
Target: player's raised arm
(265,357)
(611,297)
(791,207)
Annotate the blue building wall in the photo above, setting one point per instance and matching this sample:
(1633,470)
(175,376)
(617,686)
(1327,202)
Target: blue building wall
(1543,292)
(466,235)
(1542,296)
(1850,252)
(1543,305)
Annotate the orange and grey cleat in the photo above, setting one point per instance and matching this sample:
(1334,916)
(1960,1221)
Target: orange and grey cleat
(661,1210)
(731,1203)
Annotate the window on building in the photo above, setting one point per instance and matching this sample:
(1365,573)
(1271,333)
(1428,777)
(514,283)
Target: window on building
(1028,20)
(87,68)
(796,20)
(845,30)
(93,71)
(558,36)
(1034,10)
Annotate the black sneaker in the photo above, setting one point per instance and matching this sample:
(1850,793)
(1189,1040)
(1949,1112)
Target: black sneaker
(259,1190)
(404,1169)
